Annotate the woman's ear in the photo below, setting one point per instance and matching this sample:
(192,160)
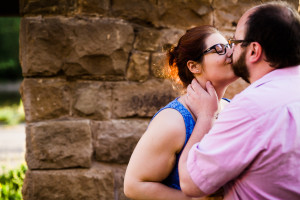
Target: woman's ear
(194,67)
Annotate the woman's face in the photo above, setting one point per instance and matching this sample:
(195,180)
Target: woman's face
(217,68)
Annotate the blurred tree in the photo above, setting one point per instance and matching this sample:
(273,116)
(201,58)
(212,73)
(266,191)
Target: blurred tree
(10,69)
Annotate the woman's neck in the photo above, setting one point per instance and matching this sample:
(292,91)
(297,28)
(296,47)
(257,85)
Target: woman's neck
(220,88)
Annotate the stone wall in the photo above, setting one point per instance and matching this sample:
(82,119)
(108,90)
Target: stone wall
(92,82)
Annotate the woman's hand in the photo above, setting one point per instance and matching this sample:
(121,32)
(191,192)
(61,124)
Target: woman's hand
(203,103)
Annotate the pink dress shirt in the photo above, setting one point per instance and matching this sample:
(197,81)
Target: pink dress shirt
(253,149)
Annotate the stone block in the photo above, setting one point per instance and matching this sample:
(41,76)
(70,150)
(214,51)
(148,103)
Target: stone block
(43,46)
(164,13)
(92,99)
(169,37)
(58,144)
(138,68)
(45,98)
(141,99)
(71,184)
(115,140)
(183,13)
(93,47)
(46,7)
(100,7)
(228,12)
(149,39)
(142,12)
(119,183)
(159,65)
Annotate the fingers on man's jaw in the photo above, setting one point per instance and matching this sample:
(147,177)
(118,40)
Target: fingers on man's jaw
(208,83)
(194,81)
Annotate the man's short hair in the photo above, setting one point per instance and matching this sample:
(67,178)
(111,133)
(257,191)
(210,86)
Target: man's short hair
(276,27)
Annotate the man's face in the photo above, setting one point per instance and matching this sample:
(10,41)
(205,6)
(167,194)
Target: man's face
(239,64)
(239,67)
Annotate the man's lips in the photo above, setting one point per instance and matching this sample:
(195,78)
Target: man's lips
(228,61)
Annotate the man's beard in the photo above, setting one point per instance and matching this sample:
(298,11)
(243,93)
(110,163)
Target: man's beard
(240,68)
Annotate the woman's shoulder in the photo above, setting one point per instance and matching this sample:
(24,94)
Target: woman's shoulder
(170,118)
(168,126)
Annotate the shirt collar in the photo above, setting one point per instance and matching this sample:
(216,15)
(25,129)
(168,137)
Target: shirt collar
(277,74)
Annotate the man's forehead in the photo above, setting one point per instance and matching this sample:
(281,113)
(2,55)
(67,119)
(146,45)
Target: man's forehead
(241,26)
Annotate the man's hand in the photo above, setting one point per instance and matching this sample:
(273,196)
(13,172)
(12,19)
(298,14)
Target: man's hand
(203,103)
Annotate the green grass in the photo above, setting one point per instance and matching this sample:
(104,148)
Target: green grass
(12,115)
(11,183)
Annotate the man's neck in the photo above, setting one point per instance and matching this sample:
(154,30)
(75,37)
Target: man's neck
(258,71)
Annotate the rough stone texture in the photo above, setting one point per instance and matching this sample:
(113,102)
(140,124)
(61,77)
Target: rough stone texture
(45,98)
(149,39)
(141,99)
(95,47)
(138,69)
(58,144)
(135,10)
(115,140)
(73,184)
(47,7)
(92,99)
(228,12)
(164,13)
(119,183)
(158,64)
(100,7)
(184,13)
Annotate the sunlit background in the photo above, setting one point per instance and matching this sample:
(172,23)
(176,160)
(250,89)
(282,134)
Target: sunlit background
(12,127)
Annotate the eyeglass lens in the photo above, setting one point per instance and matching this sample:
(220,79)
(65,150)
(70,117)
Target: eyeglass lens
(220,48)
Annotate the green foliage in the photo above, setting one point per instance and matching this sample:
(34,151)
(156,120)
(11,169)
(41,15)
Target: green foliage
(9,49)
(12,115)
(11,183)
(9,98)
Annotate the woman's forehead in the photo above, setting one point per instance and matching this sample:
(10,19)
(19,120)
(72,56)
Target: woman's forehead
(215,38)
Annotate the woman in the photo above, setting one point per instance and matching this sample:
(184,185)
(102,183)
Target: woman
(152,172)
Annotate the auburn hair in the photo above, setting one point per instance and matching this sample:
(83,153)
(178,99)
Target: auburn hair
(190,47)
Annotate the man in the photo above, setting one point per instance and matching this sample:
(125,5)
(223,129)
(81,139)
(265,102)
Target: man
(253,148)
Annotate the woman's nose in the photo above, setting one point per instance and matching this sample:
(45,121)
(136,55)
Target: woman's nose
(229,52)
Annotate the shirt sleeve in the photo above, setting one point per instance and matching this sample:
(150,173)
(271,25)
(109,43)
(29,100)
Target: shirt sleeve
(225,152)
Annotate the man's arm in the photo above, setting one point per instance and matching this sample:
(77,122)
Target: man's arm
(204,112)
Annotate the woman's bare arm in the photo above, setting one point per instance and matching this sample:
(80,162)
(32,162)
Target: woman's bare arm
(154,157)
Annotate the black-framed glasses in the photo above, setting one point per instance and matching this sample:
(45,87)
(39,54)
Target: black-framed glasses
(233,42)
(219,49)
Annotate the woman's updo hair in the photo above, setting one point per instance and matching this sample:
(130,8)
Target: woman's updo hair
(190,47)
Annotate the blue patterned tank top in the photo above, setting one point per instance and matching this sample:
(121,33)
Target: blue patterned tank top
(173,179)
